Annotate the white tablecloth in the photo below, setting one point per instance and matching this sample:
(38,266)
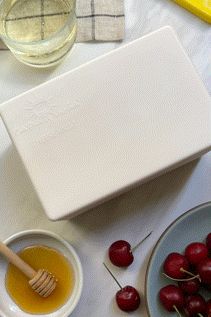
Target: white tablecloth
(152,206)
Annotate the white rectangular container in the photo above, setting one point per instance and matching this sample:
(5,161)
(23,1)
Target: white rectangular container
(111,124)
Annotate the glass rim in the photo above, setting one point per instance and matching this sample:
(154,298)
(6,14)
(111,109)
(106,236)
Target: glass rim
(8,39)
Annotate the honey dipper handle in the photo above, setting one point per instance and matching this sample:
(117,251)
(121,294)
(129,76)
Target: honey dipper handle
(17,261)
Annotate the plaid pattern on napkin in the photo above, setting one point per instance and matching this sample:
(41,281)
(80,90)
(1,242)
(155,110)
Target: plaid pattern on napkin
(98,20)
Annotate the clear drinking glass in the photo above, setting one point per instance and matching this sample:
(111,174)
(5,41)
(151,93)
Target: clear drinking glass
(38,32)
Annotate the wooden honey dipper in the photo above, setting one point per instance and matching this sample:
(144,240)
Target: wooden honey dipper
(42,282)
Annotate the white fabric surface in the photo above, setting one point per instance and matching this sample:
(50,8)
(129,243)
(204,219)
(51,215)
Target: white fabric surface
(152,206)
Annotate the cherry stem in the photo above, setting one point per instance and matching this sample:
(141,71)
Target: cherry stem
(191,274)
(137,245)
(182,279)
(200,315)
(184,271)
(175,308)
(112,276)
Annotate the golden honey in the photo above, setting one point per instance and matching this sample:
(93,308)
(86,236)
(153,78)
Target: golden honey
(40,257)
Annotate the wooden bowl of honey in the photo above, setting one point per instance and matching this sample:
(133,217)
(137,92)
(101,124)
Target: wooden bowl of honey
(46,250)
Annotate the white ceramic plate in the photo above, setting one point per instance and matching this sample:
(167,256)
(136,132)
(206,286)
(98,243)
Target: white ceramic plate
(33,237)
(192,226)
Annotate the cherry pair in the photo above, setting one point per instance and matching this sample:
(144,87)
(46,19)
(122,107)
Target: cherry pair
(121,255)
(174,298)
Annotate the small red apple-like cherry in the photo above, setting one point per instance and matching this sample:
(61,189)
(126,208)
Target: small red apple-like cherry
(204,271)
(208,241)
(176,265)
(208,311)
(189,287)
(128,299)
(120,253)
(195,252)
(171,297)
(195,306)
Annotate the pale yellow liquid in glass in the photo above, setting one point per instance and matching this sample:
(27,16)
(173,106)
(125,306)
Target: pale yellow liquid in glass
(20,291)
(39,32)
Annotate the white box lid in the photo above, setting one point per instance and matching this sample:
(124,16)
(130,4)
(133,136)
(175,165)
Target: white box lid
(110,124)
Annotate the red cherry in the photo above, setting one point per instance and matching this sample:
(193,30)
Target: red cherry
(195,305)
(171,297)
(190,287)
(175,265)
(128,299)
(196,252)
(120,253)
(209,308)
(208,241)
(204,271)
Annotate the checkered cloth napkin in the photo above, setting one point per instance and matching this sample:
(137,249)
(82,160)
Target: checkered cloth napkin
(98,20)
